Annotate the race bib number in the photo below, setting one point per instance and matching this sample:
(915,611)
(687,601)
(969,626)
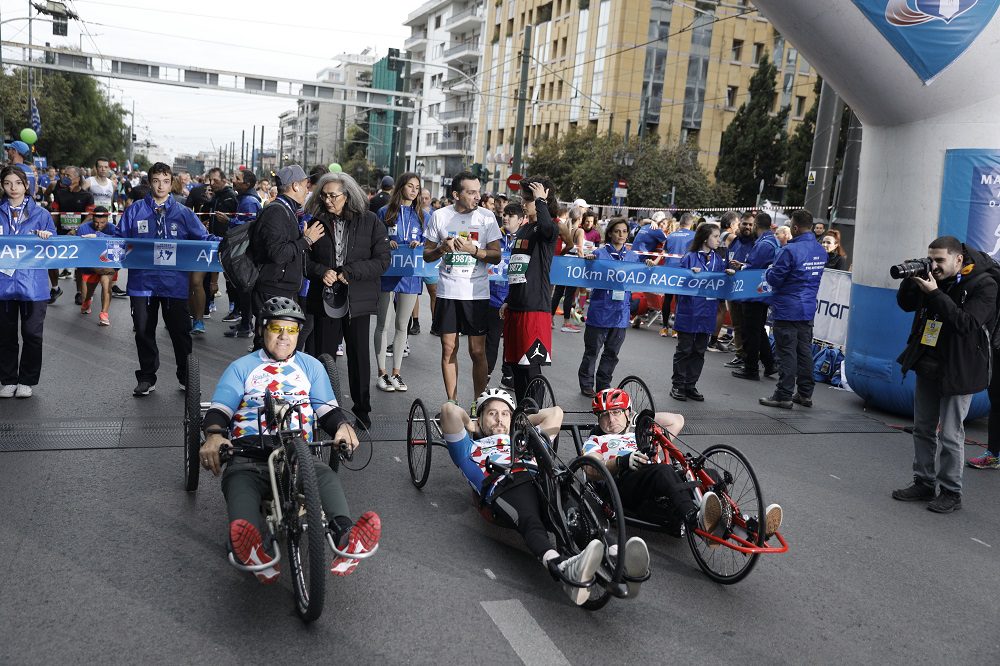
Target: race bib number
(618,295)
(588,247)
(71,220)
(517,271)
(932,330)
(459,263)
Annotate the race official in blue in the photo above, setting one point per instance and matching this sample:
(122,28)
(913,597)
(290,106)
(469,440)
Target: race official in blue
(248,207)
(695,319)
(739,252)
(151,291)
(649,238)
(756,345)
(24,294)
(607,317)
(676,245)
(794,278)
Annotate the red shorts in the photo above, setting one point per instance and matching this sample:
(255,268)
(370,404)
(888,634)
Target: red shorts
(91,276)
(527,338)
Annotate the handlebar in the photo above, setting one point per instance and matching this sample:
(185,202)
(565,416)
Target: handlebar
(342,448)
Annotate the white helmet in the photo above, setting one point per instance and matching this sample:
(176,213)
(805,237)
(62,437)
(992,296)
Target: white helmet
(495,394)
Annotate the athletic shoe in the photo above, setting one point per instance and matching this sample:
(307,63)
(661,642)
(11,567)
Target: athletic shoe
(78,299)
(559,310)
(54,294)
(710,512)
(398,383)
(945,502)
(143,388)
(772,520)
(581,569)
(771,372)
(714,346)
(735,362)
(340,349)
(507,381)
(248,548)
(238,333)
(635,322)
(636,565)
(406,350)
(65,274)
(569,327)
(985,461)
(233,318)
(726,338)
(389,350)
(664,332)
(85,307)
(385,384)
(212,307)
(8,390)
(362,538)
(117,293)
(198,328)
(22,391)
(915,492)
(414,328)
(103,319)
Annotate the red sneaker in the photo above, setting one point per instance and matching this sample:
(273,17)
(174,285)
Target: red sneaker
(85,307)
(363,538)
(249,549)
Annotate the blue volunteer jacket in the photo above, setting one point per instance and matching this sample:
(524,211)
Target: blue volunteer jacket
(761,256)
(247,209)
(648,239)
(143,220)
(740,249)
(794,277)
(407,228)
(604,311)
(25,284)
(696,314)
(678,243)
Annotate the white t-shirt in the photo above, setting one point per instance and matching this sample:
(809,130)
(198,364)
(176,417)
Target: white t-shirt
(103,194)
(463,277)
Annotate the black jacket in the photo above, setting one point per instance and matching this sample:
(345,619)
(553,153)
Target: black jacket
(225,201)
(379,200)
(279,249)
(967,308)
(368,256)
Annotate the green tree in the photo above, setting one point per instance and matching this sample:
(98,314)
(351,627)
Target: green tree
(353,156)
(78,123)
(755,143)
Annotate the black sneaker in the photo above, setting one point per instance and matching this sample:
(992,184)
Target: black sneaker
(54,294)
(78,299)
(116,292)
(238,333)
(414,327)
(735,362)
(945,502)
(799,400)
(363,419)
(915,492)
(771,372)
(774,401)
(507,381)
(678,394)
(232,317)
(143,388)
(694,394)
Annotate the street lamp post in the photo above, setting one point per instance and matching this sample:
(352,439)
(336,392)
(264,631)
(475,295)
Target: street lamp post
(623,158)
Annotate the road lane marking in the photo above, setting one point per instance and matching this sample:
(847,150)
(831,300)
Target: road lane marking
(528,640)
(982,542)
(397,459)
(835,477)
(490,574)
(434,504)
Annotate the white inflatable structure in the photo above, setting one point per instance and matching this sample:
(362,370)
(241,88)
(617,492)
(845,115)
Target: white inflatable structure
(924,78)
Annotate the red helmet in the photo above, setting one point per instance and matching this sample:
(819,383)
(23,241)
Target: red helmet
(612,398)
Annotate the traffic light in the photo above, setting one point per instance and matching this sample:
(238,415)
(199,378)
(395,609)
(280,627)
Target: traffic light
(394,65)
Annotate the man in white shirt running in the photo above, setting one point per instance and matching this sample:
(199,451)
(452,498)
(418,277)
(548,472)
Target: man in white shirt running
(101,185)
(466,238)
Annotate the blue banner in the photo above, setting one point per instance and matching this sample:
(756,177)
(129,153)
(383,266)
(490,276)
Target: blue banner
(929,34)
(604,274)
(409,261)
(27,252)
(970,198)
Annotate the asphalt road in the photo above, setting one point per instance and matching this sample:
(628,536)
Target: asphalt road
(107,559)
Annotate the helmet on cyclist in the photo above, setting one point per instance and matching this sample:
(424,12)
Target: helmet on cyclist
(281,307)
(611,398)
(495,394)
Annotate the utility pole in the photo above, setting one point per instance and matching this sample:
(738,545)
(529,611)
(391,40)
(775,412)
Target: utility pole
(253,146)
(401,128)
(261,151)
(30,93)
(131,140)
(243,143)
(522,98)
(824,152)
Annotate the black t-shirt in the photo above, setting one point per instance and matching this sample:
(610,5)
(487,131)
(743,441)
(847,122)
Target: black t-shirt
(67,201)
(532,291)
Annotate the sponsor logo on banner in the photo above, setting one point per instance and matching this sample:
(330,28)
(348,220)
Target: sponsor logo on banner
(165,254)
(115,252)
(833,306)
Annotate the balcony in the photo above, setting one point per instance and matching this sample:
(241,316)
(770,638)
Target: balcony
(466,19)
(454,117)
(459,84)
(417,68)
(416,42)
(463,52)
(450,147)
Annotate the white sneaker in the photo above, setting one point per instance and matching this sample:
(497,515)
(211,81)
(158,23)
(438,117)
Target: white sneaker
(709,514)
(22,391)
(385,384)
(636,564)
(772,520)
(8,390)
(340,349)
(406,350)
(398,383)
(581,569)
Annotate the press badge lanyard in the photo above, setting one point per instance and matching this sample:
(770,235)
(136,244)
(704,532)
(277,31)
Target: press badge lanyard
(932,327)
(617,294)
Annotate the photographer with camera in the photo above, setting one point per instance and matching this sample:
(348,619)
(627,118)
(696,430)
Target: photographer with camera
(953,297)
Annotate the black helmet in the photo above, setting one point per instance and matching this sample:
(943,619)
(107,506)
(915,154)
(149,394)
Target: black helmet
(280,307)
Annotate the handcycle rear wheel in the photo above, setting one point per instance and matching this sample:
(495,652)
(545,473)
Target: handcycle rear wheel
(334,375)
(642,398)
(593,510)
(742,502)
(539,389)
(192,424)
(306,531)
(418,444)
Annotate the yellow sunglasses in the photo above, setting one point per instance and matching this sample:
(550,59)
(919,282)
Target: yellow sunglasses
(278,329)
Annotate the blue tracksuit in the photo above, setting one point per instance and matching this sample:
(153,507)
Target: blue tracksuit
(697,314)
(678,244)
(761,256)
(648,239)
(604,311)
(25,284)
(406,228)
(794,277)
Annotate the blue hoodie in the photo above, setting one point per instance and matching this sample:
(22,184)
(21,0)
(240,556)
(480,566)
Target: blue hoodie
(25,284)
(142,220)
(795,277)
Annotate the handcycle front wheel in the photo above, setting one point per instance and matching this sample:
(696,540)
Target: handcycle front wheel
(418,444)
(592,509)
(192,424)
(539,389)
(742,513)
(306,531)
(642,398)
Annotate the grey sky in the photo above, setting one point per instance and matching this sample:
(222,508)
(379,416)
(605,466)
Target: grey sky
(254,36)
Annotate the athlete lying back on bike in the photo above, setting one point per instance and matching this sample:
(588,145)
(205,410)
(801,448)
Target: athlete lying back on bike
(481,450)
(298,379)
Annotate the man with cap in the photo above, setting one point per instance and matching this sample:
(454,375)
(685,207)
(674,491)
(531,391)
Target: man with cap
(382,198)
(17,153)
(279,248)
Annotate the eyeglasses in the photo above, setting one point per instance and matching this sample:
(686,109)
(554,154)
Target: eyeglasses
(614,413)
(278,329)
(331,196)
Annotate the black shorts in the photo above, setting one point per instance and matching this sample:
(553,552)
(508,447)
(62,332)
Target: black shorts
(466,317)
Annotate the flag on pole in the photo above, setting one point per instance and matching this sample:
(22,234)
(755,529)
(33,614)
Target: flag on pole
(36,119)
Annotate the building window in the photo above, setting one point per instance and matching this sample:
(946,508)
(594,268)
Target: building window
(737,52)
(800,106)
(758,52)
(544,13)
(732,92)
(437,21)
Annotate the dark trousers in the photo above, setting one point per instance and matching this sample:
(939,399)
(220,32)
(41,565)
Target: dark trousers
(994,393)
(756,346)
(594,338)
(736,314)
(26,368)
(523,374)
(665,310)
(520,506)
(493,336)
(355,332)
(242,302)
(177,319)
(793,344)
(652,482)
(566,294)
(689,358)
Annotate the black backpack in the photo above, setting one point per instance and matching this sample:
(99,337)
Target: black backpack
(236,255)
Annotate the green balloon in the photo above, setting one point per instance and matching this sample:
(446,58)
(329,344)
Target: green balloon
(28,136)
(336,168)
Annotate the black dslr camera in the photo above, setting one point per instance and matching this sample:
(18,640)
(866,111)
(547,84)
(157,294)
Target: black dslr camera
(912,268)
